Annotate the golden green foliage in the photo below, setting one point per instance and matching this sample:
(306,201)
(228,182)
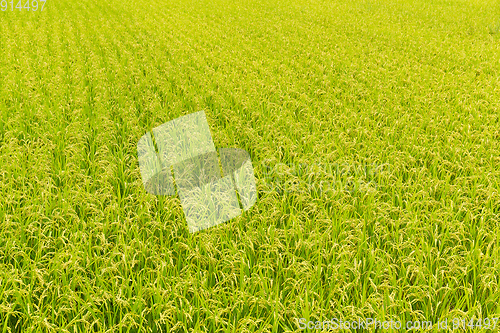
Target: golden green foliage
(411,84)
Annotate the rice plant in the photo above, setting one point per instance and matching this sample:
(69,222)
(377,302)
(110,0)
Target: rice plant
(404,84)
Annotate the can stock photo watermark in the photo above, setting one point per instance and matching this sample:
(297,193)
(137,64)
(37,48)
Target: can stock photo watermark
(321,178)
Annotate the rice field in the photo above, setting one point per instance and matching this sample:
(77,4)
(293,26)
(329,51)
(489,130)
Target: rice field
(409,86)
